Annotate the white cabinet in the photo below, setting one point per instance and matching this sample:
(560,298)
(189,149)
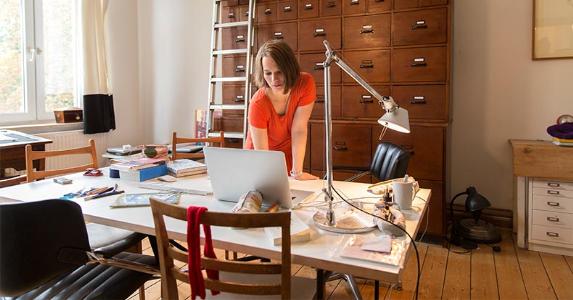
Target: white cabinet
(549,216)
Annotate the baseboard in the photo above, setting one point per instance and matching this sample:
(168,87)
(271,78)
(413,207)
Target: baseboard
(502,218)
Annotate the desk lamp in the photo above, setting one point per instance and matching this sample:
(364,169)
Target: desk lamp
(395,118)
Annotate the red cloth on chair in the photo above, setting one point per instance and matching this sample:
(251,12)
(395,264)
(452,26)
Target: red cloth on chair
(194,244)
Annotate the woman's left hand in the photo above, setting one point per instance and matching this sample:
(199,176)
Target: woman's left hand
(305,176)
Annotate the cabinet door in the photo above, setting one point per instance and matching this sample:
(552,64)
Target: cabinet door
(358,103)
(372,65)
(313,64)
(330,8)
(266,12)
(307,9)
(423,102)
(335,108)
(434,216)
(427,26)
(351,147)
(287,10)
(419,64)
(313,32)
(283,31)
(367,31)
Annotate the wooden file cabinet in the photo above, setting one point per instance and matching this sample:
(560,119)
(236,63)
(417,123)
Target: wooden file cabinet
(401,47)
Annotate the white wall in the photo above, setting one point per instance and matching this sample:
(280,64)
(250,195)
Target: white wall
(499,93)
(174,39)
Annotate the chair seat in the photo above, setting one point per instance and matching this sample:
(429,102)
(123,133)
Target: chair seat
(94,281)
(109,241)
(301,288)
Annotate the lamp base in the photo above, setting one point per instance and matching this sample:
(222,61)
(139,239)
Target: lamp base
(479,232)
(348,224)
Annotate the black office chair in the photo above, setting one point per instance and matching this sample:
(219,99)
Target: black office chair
(44,254)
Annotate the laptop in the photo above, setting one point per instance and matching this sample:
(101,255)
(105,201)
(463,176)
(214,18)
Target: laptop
(234,172)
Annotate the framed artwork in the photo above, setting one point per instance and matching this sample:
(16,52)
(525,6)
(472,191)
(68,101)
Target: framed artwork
(552,29)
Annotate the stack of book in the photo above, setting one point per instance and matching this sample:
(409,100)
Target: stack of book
(139,169)
(186,167)
(563,142)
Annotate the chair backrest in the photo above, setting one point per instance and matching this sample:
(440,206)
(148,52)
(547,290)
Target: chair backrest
(39,241)
(167,253)
(220,140)
(32,155)
(389,161)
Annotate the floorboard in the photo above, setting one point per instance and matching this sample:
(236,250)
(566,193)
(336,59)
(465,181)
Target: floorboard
(509,279)
(483,278)
(457,280)
(559,274)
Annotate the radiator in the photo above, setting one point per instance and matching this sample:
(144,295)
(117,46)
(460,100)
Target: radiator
(73,139)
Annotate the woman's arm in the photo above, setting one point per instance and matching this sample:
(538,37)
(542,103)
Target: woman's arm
(259,137)
(299,132)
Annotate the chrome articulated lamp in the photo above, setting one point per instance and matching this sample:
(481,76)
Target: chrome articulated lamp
(395,118)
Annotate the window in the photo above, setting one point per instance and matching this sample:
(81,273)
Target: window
(39,58)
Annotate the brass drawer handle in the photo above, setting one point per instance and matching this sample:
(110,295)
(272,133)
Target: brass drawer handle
(239,98)
(331,4)
(418,100)
(551,192)
(239,68)
(366,99)
(231,15)
(354,2)
(367,29)
(340,146)
(239,38)
(319,100)
(308,6)
(554,204)
(366,64)
(420,24)
(419,62)
(553,184)
(319,32)
(318,66)
(552,234)
(247,13)
(287,8)
(268,11)
(552,219)
(278,35)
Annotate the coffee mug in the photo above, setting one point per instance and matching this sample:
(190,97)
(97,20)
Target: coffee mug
(404,193)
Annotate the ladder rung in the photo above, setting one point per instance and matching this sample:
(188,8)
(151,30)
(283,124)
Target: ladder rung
(227,79)
(231,135)
(232,24)
(227,106)
(230,51)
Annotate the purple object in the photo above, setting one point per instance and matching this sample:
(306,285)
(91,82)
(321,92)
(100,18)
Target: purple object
(561,131)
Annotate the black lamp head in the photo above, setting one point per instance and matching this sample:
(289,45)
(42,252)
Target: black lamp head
(475,201)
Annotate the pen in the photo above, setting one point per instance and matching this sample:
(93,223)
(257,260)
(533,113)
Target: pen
(103,195)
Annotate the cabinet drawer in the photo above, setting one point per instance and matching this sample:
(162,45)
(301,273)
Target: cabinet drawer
(358,103)
(243,13)
(228,123)
(424,102)
(374,6)
(307,9)
(551,234)
(426,146)
(403,4)
(553,184)
(312,63)
(372,65)
(234,38)
(342,175)
(318,109)
(427,26)
(419,64)
(287,10)
(367,31)
(234,66)
(330,8)
(233,94)
(266,12)
(234,143)
(283,31)
(556,219)
(350,7)
(552,203)
(351,147)
(230,14)
(313,32)
(552,192)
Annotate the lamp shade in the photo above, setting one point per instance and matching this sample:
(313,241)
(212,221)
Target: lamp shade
(396,120)
(475,201)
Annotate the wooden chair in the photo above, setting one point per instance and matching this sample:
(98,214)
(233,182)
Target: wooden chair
(32,155)
(12,181)
(179,140)
(167,254)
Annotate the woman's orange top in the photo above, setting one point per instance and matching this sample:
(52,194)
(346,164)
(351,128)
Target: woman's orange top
(263,115)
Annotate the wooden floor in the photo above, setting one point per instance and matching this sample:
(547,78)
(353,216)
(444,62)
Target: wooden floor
(513,273)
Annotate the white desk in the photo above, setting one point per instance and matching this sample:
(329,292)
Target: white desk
(320,252)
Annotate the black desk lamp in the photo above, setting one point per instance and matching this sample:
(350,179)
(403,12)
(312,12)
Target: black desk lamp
(474,229)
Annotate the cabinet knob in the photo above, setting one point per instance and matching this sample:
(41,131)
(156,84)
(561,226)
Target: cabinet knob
(239,69)
(308,6)
(287,8)
(367,29)
(552,192)
(354,2)
(419,62)
(552,234)
(278,35)
(239,38)
(318,66)
(420,24)
(366,64)
(231,15)
(554,204)
(366,99)
(268,11)
(418,100)
(239,98)
(340,146)
(319,32)
(553,219)
(553,184)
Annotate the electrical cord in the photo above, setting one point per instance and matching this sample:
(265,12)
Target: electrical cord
(403,230)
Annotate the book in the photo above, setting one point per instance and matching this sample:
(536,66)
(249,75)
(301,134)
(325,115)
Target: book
(138,200)
(360,247)
(299,231)
(186,167)
(563,142)
(136,164)
(143,174)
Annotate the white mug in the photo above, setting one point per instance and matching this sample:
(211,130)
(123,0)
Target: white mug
(404,193)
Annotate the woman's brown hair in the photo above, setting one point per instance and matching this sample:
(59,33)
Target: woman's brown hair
(285,59)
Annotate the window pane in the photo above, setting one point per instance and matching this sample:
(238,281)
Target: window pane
(59,53)
(11,57)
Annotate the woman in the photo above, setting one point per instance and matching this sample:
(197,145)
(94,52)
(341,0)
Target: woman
(280,109)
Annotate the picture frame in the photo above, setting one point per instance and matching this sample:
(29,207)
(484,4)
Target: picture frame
(552,29)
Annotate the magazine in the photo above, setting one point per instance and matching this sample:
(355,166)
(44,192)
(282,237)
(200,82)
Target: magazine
(137,200)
